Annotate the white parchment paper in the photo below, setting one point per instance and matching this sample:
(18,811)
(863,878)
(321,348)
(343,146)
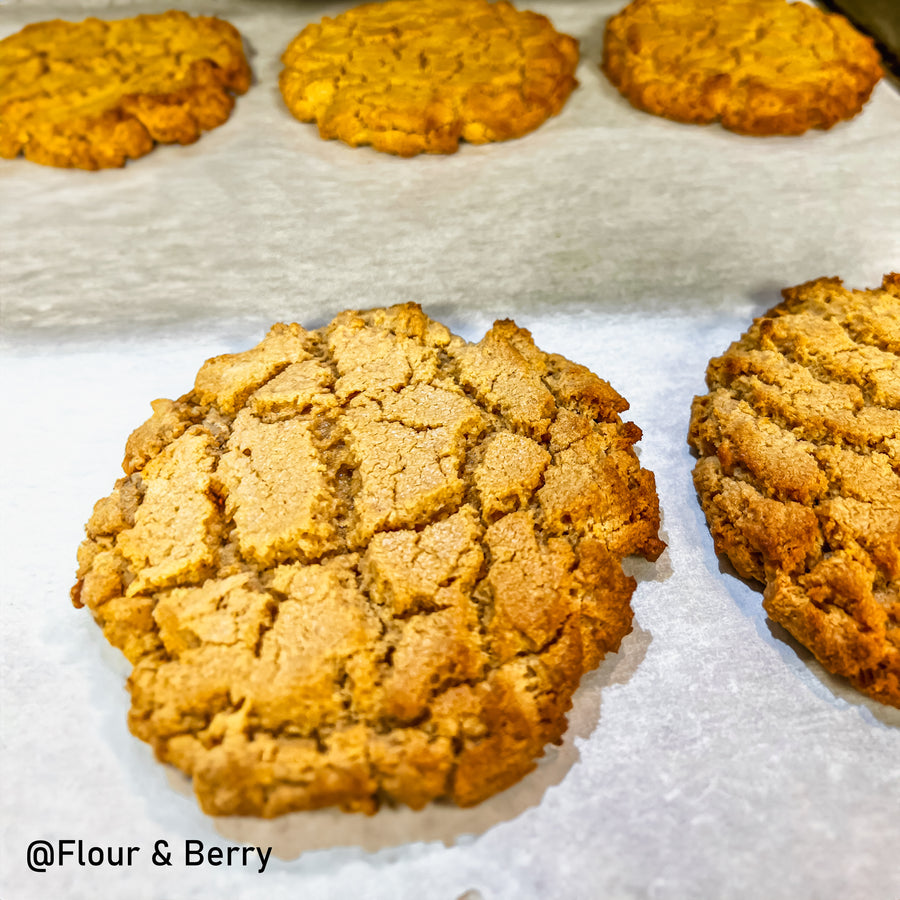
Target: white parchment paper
(711,757)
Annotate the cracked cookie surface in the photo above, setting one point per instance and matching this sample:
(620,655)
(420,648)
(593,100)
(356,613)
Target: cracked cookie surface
(417,76)
(93,94)
(799,472)
(760,67)
(368,563)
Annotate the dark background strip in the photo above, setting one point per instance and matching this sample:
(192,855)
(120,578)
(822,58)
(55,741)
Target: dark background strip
(881,20)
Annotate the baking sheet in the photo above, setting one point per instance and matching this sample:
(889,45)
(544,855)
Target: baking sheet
(710,757)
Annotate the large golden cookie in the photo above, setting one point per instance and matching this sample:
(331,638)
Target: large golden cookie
(759,67)
(414,76)
(92,94)
(369,562)
(799,472)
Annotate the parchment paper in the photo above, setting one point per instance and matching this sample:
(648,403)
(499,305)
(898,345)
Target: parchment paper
(711,757)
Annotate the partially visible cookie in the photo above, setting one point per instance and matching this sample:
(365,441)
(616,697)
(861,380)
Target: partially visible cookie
(418,76)
(368,563)
(760,67)
(92,94)
(799,472)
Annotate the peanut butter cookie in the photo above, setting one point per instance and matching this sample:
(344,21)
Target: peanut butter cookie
(414,76)
(92,94)
(368,563)
(759,67)
(799,472)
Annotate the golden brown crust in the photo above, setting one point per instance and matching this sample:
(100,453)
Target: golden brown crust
(369,562)
(417,76)
(760,67)
(799,472)
(92,94)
